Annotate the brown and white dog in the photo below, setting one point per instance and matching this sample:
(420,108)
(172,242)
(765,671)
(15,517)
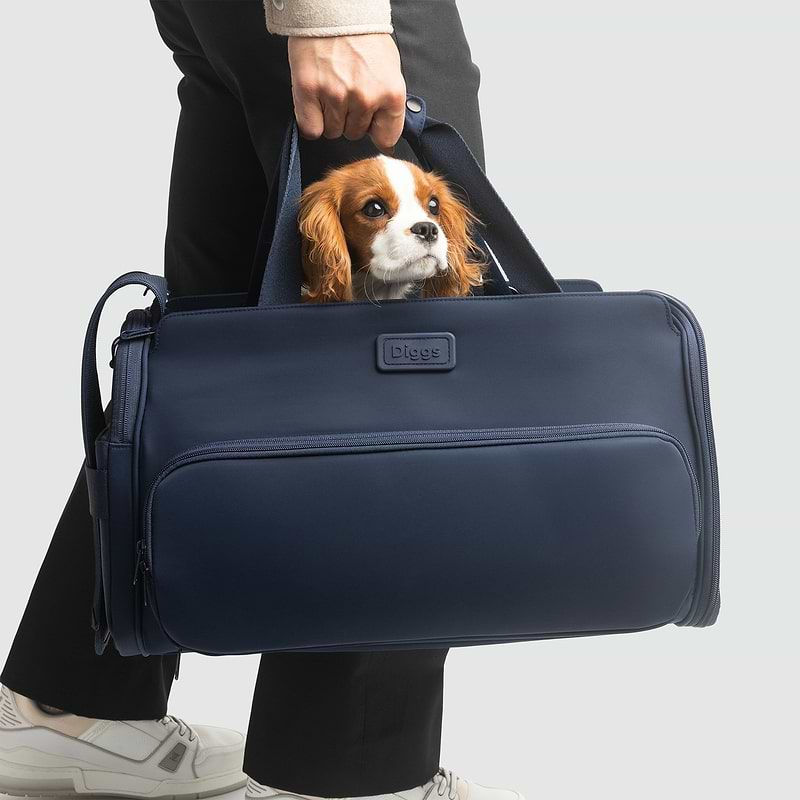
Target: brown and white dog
(378,228)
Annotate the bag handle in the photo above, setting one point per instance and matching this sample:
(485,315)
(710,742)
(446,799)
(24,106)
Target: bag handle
(438,146)
(283,274)
(282,228)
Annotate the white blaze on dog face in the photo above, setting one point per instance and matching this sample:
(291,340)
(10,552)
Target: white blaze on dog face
(412,245)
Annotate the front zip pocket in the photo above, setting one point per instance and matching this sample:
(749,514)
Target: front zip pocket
(421,538)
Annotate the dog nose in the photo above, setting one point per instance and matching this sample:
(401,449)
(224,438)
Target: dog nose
(427,231)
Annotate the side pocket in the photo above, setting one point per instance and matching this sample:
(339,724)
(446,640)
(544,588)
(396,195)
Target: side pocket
(118,545)
(97,489)
(119,532)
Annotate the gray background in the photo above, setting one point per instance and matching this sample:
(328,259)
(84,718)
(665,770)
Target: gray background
(647,145)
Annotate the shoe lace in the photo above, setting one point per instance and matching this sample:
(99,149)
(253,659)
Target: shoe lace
(445,782)
(183,727)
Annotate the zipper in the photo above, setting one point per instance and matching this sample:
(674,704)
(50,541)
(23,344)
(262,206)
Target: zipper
(119,363)
(126,359)
(366,442)
(709,607)
(128,355)
(142,570)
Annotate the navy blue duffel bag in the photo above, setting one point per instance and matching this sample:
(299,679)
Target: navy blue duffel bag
(265,483)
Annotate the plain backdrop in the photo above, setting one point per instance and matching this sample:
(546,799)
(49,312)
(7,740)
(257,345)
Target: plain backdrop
(643,144)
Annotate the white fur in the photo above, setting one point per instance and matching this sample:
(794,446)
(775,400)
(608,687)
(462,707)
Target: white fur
(399,257)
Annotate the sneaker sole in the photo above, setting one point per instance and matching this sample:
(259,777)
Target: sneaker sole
(23,781)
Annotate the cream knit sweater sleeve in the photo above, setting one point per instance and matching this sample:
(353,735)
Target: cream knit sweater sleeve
(328,17)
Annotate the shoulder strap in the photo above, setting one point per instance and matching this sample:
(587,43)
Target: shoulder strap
(92,415)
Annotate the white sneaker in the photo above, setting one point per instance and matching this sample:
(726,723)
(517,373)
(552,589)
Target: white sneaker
(444,784)
(45,755)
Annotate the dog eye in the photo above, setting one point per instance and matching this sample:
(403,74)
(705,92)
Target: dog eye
(373,209)
(433,206)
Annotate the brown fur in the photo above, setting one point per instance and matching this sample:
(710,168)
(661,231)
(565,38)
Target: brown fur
(337,237)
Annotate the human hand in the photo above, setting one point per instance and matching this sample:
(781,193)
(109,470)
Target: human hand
(348,86)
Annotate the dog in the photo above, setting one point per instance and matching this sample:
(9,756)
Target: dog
(382,228)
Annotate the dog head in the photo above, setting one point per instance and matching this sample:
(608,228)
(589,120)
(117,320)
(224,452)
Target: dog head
(377,228)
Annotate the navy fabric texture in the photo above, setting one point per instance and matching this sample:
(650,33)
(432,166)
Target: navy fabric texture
(421,553)
(265,486)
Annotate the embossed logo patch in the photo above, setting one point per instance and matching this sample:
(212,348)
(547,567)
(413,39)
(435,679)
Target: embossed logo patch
(404,352)
(172,760)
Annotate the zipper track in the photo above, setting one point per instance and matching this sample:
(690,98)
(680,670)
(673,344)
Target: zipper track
(120,391)
(712,597)
(128,353)
(365,442)
(128,372)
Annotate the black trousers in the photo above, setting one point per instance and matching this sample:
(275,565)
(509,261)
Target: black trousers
(333,724)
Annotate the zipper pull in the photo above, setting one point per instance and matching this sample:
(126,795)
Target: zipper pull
(142,568)
(127,335)
(114,346)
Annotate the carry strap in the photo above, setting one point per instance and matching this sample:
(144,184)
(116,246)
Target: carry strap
(283,272)
(438,146)
(279,284)
(441,147)
(92,415)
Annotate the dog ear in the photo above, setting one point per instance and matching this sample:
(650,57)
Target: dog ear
(465,264)
(326,259)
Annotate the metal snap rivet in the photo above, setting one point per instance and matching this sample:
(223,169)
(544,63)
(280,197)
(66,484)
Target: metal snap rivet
(413,105)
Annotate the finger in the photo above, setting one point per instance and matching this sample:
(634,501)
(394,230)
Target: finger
(309,115)
(358,123)
(335,113)
(386,129)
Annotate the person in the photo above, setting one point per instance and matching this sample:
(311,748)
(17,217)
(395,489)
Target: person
(326,725)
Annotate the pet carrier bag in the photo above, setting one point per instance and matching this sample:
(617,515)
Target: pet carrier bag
(281,476)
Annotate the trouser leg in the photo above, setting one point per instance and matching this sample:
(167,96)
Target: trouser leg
(219,192)
(346,724)
(53,659)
